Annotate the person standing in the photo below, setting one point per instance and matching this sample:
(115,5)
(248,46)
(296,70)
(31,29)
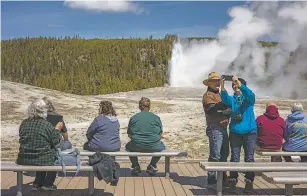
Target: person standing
(217,117)
(243,128)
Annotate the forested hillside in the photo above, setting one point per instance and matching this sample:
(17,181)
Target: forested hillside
(81,66)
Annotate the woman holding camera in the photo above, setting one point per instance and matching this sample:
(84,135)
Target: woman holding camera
(243,128)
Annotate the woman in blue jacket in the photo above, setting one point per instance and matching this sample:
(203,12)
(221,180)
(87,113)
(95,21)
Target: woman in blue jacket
(103,133)
(243,128)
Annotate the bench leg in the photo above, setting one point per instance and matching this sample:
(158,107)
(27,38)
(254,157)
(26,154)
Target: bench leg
(289,189)
(113,157)
(91,183)
(19,183)
(167,166)
(219,184)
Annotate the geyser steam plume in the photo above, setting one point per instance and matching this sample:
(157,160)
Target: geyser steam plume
(237,51)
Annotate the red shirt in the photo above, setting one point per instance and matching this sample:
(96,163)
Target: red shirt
(271,129)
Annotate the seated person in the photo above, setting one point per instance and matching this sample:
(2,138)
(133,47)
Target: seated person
(271,128)
(145,132)
(51,117)
(296,132)
(103,133)
(38,140)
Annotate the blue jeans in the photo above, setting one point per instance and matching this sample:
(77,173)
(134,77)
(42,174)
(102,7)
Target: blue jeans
(219,148)
(248,141)
(134,160)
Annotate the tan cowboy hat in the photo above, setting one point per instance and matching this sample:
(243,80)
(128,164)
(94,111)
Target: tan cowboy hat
(211,76)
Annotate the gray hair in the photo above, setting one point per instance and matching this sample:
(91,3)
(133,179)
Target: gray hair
(37,108)
(297,107)
(49,104)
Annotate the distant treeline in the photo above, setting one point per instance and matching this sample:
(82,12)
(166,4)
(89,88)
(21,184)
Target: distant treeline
(95,66)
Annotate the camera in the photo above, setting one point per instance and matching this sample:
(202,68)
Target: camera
(227,77)
(238,117)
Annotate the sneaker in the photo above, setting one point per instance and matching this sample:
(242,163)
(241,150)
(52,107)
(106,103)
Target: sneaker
(232,185)
(136,170)
(35,187)
(49,188)
(248,186)
(151,170)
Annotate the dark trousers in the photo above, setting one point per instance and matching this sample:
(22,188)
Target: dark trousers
(44,178)
(248,142)
(219,148)
(134,160)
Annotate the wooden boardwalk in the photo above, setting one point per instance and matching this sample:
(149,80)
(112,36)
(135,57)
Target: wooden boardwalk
(186,179)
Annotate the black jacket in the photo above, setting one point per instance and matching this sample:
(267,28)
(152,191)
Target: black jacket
(105,168)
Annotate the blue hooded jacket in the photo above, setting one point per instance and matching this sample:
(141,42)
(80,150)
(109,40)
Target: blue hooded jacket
(296,132)
(103,133)
(247,98)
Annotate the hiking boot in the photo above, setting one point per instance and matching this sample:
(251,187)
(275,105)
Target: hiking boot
(49,188)
(136,170)
(248,186)
(211,184)
(151,170)
(232,185)
(35,187)
(226,183)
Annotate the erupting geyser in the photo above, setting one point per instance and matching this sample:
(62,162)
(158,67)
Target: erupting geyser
(273,71)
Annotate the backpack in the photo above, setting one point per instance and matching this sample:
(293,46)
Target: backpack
(70,157)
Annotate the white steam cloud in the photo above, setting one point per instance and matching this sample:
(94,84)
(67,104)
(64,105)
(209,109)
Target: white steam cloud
(238,52)
(105,6)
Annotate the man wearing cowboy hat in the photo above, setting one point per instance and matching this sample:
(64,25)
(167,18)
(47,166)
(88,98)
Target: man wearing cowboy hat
(217,117)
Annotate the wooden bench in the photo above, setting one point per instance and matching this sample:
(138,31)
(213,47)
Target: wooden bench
(221,167)
(287,178)
(165,153)
(12,166)
(19,169)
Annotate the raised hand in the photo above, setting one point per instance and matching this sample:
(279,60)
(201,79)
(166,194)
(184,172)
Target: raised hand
(59,126)
(222,84)
(236,81)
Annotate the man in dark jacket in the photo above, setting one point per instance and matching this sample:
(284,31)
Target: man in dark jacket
(271,128)
(217,121)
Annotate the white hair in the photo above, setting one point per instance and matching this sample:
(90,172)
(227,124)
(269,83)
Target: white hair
(297,107)
(38,108)
(49,104)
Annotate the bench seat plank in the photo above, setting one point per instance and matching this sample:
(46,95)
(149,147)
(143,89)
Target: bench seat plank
(282,153)
(285,177)
(126,153)
(11,166)
(245,167)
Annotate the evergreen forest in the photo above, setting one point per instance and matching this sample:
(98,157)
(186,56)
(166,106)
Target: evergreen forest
(89,66)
